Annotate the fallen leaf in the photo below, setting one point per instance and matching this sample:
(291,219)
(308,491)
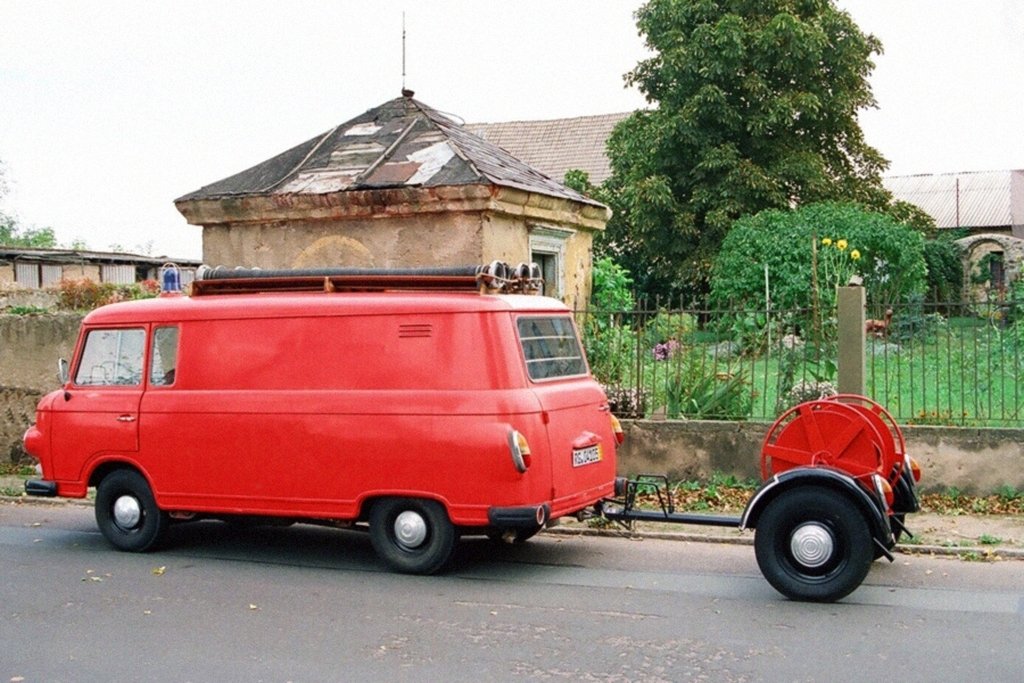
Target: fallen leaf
(159,571)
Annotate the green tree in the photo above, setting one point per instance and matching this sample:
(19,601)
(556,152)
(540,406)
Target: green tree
(755,107)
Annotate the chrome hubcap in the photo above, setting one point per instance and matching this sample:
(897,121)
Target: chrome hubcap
(410,530)
(812,544)
(127,512)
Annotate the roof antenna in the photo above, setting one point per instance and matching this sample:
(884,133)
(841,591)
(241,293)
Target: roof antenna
(405,91)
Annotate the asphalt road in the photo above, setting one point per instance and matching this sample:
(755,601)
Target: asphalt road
(313,604)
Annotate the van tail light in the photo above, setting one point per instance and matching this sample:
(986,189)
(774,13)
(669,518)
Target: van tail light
(915,469)
(620,436)
(884,490)
(520,450)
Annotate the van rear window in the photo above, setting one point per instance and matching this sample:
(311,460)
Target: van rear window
(551,348)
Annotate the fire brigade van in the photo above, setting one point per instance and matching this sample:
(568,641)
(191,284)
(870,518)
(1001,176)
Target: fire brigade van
(419,405)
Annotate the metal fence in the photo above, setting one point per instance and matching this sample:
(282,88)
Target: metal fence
(945,364)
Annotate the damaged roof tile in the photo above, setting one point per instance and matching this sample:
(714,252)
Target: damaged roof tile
(402,142)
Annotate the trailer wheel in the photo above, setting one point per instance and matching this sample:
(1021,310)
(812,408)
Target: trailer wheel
(126,512)
(413,536)
(813,544)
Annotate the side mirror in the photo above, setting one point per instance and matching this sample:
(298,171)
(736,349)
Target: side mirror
(62,371)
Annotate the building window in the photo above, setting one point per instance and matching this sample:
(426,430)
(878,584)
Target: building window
(997,270)
(547,250)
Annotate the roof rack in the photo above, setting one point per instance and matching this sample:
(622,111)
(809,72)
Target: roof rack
(496,277)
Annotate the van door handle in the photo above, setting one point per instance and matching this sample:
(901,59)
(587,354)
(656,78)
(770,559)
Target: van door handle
(126,418)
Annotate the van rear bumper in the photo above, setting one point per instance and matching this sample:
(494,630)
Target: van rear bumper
(525,517)
(41,487)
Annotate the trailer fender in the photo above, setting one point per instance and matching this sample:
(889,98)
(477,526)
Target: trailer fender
(870,505)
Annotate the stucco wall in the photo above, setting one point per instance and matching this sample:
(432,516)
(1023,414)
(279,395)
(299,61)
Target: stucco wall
(417,240)
(972,460)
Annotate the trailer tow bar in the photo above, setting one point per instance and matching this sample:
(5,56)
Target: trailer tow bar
(624,510)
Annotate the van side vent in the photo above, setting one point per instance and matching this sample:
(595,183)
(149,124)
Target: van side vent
(415,330)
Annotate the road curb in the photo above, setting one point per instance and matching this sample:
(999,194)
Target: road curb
(980,553)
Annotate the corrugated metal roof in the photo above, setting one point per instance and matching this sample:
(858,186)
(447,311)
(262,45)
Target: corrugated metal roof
(968,200)
(36,254)
(402,142)
(556,145)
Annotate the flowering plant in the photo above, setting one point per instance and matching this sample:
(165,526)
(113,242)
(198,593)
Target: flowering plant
(836,262)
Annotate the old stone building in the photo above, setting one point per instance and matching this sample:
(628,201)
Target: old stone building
(400,185)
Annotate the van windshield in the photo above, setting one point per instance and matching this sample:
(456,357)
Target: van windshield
(551,348)
(112,357)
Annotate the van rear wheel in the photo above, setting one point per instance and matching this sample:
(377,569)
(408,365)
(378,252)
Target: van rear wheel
(126,512)
(411,535)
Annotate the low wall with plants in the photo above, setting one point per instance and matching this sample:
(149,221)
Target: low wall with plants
(974,461)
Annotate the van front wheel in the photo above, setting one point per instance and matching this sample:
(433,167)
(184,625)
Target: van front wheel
(126,512)
(412,536)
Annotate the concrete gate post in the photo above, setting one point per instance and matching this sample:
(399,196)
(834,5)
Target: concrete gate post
(850,305)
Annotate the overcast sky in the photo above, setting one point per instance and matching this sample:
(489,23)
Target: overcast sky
(111,110)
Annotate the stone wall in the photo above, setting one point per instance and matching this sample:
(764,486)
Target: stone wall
(29,348)
(976,461)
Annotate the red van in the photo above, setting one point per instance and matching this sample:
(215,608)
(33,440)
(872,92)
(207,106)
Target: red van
(353,398)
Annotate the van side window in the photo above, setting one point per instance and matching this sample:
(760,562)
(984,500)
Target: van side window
(163,356)
(112,358)
(551,348)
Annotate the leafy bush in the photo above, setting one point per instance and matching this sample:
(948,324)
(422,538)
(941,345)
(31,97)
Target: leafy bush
(945,270)
(813,249)
(25,310)
(667,327)
(697,390)
(610,345)
(85,294)
(612,290)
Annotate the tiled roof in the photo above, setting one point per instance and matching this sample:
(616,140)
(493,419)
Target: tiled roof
(556,145)
(969,200)
(402,142)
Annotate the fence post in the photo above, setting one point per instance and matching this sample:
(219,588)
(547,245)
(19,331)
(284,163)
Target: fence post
(850,303)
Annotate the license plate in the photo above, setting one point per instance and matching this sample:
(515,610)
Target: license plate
(586,456)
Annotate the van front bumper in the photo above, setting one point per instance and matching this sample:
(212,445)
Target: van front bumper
(525,517)
(41,487)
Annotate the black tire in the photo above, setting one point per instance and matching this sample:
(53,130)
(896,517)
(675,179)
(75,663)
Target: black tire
(413,536)
(127,514)
(836,552)
(512,536)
